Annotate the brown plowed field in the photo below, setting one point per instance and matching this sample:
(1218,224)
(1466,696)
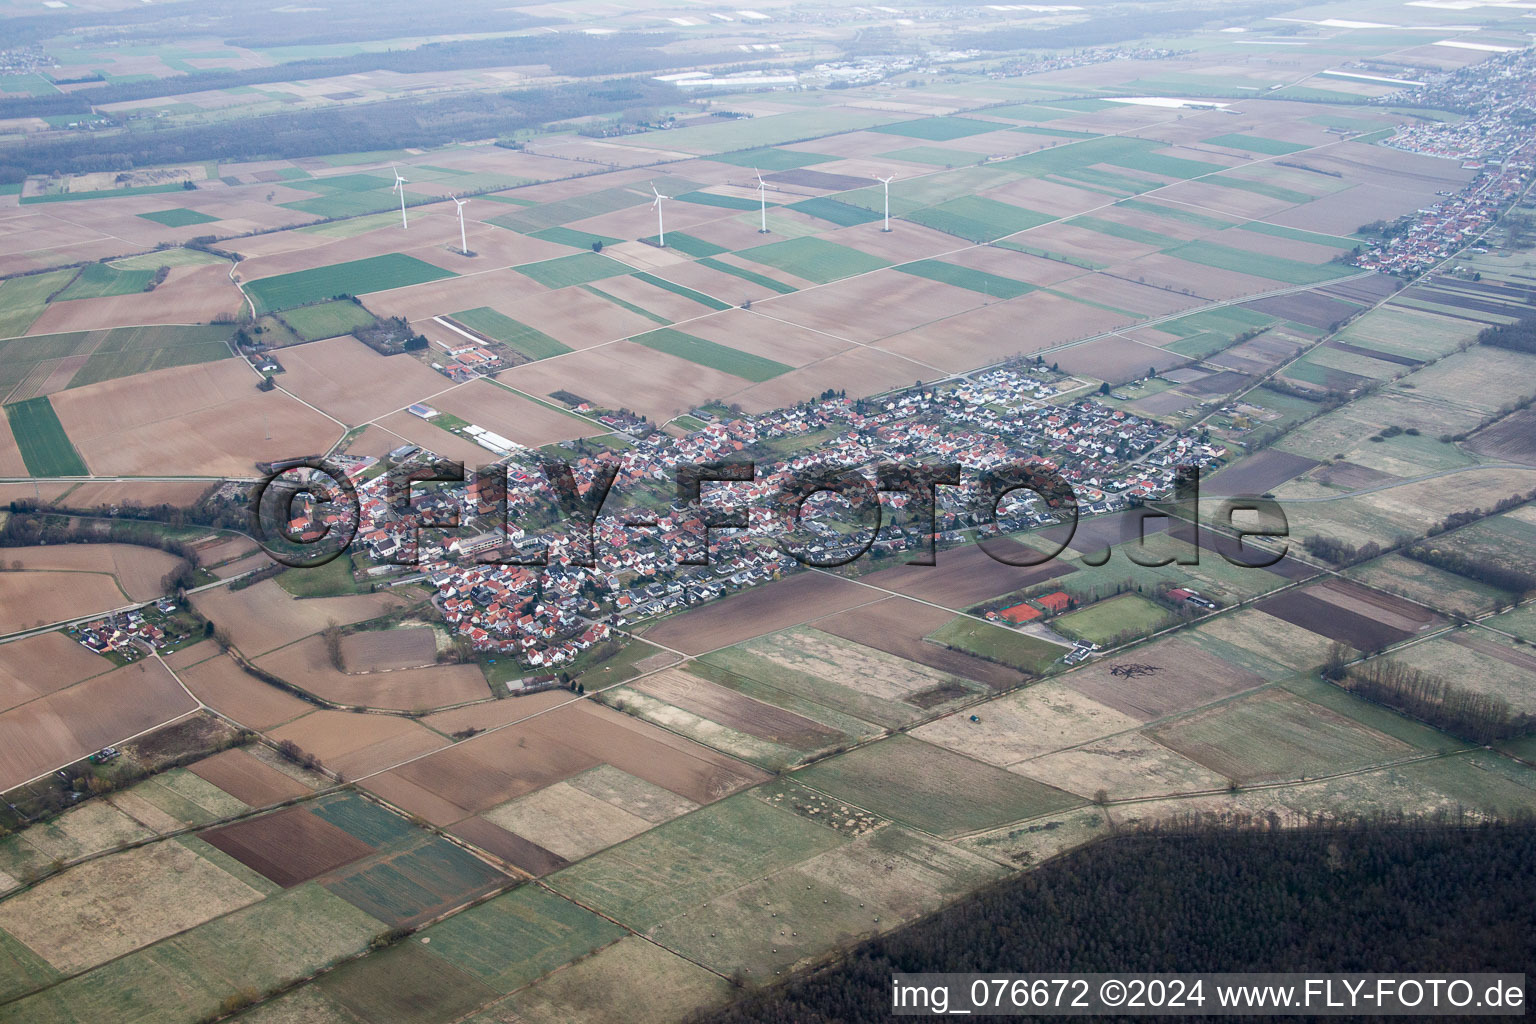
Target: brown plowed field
(860,371)
(515,850)
(230,690)
(357,744)
(513,416)
(1363,618)
(897,626)
(480,773)
(263,616)
(288,847)
(376,650)
(1160,679)
(1513,438)
(38,737)
(354,383)
(736,710)
(760,610)
(138,569)
(204,420)
(968,575)
(306,665)
(40,665)
(626,376)
(190,295)
(248,779)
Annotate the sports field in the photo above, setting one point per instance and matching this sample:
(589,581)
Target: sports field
(534,344)
(44,446)
(1103,621)
(708,353)
(355,277)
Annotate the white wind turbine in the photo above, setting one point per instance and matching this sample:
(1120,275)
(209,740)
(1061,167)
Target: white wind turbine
(762,196)
(661,234)
(459,205)
(887,183)
(400,187)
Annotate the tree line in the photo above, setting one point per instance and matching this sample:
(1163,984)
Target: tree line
(388,124)
(1379,897)
(1475,717)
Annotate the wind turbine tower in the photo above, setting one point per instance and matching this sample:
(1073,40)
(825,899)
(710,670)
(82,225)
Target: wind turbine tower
(459,205)
(762,197)
(400,187)
(661,231)
(887,183)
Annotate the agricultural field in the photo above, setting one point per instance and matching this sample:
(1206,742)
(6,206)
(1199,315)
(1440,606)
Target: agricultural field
(356,277)
(476,791)
(326,319)
(44,445)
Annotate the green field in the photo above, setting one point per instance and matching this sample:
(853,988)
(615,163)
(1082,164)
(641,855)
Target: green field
(166,258)
(1116,230)
(1262,188)
(545,930)
(333,579)
(417,883)
(572,237)
(1140,155)
(977,218)
(841,214)
(364,819)
(184,978)
(534,344)
(625,304)
(1257,144)
(404,984)
(105,193)
(1178,213)
(940,129)
(45,447)
(814,259)
(100,279)
(578,268)
(773,159)
(715,356)
(993,285)
(1279,231)
(919,784)
(533,219)
(721,202)
(995,643)
(689,860)
(327,319)
(688,244)
(23,299)
(933,155)
(1101,622)
(355,277)
(178,217)
(126,351)
(1275,268)
(683,290)
(747,275)
(1277,735)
